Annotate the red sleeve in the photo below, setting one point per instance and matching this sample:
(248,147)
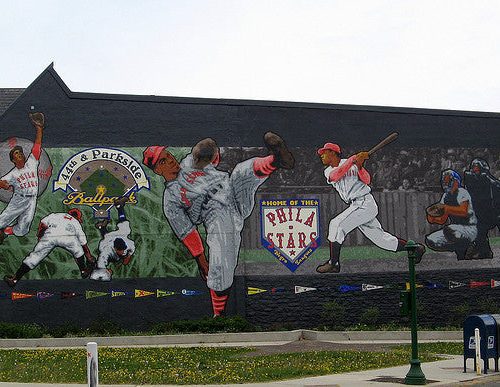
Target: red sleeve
(337,173)
(36,151)
(364,176)
(193,243)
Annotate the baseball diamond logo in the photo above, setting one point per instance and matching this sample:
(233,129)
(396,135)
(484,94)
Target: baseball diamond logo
(97,176)
(290,229)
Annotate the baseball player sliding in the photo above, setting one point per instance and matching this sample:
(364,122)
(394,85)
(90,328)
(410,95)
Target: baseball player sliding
(23,179)
(197,192)
(58,230)
(351,180)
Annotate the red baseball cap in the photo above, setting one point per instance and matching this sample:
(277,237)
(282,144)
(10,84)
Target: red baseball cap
(151,155)
(329,146)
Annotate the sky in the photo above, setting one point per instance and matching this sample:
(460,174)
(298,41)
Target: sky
(425,54)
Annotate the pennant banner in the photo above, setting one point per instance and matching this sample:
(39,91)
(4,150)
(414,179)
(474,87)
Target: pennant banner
(455,284)
(186,292)
(117,293)
(43,295)
(143,293)
(20,296)
(163,293)
(92,294)
(303,289)
(65,295)
(252,291)
(349,288)
(479,284)
(368,287)
(495,284)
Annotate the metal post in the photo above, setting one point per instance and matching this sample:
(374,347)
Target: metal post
(415,374)
(477,342)
(92,365)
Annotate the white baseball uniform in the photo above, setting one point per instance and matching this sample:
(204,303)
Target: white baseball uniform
(361,213)
(22,205)
(107,252)
(219,200)
(461,228)
(62,230)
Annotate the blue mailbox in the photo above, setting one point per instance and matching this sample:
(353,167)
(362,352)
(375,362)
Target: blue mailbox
(488,347)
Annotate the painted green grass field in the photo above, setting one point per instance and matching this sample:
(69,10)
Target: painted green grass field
(199,365)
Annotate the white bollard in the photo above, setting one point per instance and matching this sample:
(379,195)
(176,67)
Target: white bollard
(92,365)
(477,339)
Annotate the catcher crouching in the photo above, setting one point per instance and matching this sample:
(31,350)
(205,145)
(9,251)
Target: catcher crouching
(455,207)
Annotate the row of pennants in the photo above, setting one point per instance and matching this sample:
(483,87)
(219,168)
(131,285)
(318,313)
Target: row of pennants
(137,293)
(368,287)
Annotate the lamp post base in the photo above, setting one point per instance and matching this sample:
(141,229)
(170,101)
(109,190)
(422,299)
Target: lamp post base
(415,376)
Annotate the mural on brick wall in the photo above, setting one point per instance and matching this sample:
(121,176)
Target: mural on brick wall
(196,192)
(142,212)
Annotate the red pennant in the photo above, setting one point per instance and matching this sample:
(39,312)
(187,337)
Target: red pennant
(479,284)
(69,295)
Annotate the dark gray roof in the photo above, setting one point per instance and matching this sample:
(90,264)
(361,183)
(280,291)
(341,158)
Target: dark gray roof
(7,96)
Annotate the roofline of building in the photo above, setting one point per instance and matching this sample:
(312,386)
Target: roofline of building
(254,103)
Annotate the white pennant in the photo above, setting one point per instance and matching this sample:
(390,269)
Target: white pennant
(495,284)
(303,289)
(454,284)
(366,287)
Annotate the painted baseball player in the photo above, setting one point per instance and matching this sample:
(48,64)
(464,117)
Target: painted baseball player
(58,230)
(484,189)
(23,180)
(115,246)
(197,192)
(351,180)
(456,206)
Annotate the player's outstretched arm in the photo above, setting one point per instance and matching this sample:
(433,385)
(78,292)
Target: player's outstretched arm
(38,121)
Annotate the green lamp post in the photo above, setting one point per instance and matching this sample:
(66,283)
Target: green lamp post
(415,376)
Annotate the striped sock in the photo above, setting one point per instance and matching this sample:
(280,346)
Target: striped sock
(218,302)
(262,166)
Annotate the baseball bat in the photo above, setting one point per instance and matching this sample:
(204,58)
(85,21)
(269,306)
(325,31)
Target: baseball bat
(390,138)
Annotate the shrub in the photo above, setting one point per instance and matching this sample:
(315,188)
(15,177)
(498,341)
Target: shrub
(20,331)
(334,315)
(370,316)
(205,325)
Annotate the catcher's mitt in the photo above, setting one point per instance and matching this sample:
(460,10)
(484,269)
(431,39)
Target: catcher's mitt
(436,210)
(38,119)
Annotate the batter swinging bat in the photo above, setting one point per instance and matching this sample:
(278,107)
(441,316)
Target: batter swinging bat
(390,138)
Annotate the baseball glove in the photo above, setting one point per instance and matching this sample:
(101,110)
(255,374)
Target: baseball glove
(436,210)
(38,119)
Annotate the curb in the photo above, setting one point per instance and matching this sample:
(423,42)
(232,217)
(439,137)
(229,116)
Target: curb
(242,338)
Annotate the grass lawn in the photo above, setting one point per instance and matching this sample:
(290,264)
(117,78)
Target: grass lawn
(348,253)
(197,365)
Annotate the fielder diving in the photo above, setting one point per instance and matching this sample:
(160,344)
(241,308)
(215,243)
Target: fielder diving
(196,192)
(352,181)
(58,230)
(23,179)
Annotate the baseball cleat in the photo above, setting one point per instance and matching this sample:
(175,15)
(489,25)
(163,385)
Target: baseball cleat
(419,252)
(10,280)
(283,158)
(120,202)
(102,224)
(329,267)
